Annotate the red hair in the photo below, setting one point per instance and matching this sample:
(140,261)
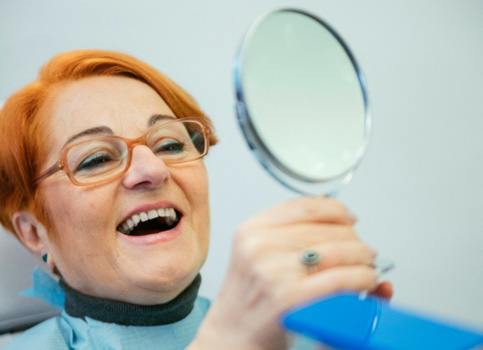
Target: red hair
(22,128)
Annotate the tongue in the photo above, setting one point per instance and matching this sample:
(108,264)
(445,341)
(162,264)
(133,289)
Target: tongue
(151,226)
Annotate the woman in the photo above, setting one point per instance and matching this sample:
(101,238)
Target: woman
(102,176)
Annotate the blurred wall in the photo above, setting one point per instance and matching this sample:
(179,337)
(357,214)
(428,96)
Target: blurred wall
(418,193)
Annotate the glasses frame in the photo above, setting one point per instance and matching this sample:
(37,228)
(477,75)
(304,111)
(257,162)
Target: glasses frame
(60,165)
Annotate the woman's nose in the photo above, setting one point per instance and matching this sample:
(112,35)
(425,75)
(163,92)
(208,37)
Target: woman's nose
(146,169)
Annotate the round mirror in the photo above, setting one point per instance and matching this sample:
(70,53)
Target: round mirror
(301,101)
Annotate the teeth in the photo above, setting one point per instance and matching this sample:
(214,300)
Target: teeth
(170,215)
(129,224)
(125,227)
(136,219)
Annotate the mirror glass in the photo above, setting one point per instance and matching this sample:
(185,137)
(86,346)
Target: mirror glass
(301,101)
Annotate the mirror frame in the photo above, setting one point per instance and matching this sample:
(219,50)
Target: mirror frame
(287,177)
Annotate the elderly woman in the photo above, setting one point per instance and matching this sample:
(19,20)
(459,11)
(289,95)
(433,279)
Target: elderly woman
(102,175)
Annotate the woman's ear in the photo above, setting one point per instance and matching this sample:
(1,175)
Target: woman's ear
(30,232)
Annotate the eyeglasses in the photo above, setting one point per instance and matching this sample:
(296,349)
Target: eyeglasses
(103,159)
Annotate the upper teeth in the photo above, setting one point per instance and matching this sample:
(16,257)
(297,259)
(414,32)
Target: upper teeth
(169,214)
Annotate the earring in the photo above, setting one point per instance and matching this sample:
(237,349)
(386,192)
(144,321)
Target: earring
(45,257)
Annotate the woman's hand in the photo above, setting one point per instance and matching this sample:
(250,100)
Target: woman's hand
(266,278)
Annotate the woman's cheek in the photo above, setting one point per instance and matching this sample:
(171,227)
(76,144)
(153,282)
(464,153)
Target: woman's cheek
(81,222)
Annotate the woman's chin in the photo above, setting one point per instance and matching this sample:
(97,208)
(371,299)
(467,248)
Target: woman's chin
(163,272)
(162,287)
(162,264)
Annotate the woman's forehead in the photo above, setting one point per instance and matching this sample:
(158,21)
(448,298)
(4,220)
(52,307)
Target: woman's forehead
(123,104)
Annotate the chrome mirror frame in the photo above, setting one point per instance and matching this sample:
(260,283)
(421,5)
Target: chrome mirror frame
(287,177)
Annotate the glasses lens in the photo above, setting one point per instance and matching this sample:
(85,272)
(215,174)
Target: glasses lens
(177,142)
(96,160)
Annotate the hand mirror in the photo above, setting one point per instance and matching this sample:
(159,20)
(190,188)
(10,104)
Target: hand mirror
(301,101)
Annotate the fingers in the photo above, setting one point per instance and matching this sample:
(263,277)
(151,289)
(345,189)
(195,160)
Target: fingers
(286,268)
(336,279)
(344,253)
(300,237)
(305,209)
(335,247)
(316,233)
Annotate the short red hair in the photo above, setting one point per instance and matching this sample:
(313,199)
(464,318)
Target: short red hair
(22,128)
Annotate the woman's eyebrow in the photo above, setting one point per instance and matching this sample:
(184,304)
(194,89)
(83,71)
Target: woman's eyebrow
(91,131)
(106,130)
(159,117)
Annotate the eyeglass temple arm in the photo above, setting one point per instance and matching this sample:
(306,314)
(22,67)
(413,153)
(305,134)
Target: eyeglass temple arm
(52,170)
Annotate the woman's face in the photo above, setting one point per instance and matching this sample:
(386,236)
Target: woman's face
(86,245)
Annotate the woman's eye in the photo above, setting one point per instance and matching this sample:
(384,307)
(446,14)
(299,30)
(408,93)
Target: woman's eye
(169,146)
(94,161)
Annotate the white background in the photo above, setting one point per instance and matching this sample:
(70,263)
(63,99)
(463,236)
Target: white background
(418,193)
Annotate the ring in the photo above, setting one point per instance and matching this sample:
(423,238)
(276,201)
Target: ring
(311,260)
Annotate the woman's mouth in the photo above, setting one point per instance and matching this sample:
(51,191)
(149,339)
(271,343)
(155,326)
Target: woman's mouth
(150,222)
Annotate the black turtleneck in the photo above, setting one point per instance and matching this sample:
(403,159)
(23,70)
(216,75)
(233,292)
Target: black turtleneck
(81,305)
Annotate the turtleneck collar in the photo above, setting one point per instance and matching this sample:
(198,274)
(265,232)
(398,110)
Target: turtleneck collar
(81,305)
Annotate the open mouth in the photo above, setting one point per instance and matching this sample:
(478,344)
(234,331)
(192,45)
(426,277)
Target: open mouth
(149,222)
